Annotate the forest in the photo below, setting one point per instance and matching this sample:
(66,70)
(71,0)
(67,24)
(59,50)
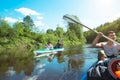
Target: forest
(23,36)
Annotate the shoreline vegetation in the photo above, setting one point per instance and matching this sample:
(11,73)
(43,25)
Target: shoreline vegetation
(22,38)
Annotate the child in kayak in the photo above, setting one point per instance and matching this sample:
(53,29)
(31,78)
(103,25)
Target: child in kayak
(49,46)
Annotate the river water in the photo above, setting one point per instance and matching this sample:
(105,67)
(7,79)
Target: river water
(71,64)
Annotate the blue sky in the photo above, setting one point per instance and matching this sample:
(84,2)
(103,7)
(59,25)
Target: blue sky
(49,13)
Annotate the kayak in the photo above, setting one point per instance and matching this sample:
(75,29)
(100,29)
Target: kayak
(47,52)
(84,77)
(110,70)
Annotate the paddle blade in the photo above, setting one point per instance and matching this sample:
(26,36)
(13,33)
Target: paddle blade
(71,19)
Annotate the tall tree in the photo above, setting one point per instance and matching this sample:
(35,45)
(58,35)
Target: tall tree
(59,32)
(28,22)
(50,31)
(4,28)
(19,28)
(77,29)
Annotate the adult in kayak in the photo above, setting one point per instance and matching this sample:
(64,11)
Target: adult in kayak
(110,48)
(59,44)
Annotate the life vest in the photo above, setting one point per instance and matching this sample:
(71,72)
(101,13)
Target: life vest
(117,73)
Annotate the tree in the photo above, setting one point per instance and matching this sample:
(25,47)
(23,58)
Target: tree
(19,28)
(77,30)
(71,35)
(28,22)
(59,32)
(4,29)
(50,31)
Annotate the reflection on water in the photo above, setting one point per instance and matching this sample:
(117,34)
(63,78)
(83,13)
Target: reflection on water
(68,65)
(12,68)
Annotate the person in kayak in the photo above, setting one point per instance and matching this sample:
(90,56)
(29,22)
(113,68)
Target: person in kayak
(110,48)
(49,45)
(101,56)
(58,45)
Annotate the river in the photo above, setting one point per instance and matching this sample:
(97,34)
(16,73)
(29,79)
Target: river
(71,64)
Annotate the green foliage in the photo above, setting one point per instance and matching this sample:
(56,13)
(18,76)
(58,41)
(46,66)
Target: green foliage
(4,28)
(114,26)
(59,32)
(75,33)
(22,36)
(50,31)
(18,27)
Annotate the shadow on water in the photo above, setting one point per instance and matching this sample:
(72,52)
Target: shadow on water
(70,64)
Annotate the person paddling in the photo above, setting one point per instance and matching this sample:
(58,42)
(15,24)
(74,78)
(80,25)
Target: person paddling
(110,48)
(58,45)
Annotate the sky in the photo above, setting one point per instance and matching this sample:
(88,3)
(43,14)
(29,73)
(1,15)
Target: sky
(47,14)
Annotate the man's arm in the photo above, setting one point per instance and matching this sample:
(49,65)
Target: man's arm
(95,42)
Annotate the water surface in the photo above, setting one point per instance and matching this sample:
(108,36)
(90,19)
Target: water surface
(70,65)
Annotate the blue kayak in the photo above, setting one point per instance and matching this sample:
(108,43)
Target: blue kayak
(84,77)
(110,70)
(47,52)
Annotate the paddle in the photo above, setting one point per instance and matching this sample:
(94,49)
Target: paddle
(72,19)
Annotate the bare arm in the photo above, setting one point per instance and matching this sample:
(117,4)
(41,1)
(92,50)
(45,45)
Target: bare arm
(95,42)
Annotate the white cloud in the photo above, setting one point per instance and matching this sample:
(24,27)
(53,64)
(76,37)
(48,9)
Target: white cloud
(38,23)
(35,16)
(12,20)
(27,11)
(39,17)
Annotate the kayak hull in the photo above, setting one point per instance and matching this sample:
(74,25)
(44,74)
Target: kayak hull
(46,52)
(84,77)
(111,63)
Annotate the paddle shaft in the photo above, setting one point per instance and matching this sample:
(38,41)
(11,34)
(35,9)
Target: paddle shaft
(90,29)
